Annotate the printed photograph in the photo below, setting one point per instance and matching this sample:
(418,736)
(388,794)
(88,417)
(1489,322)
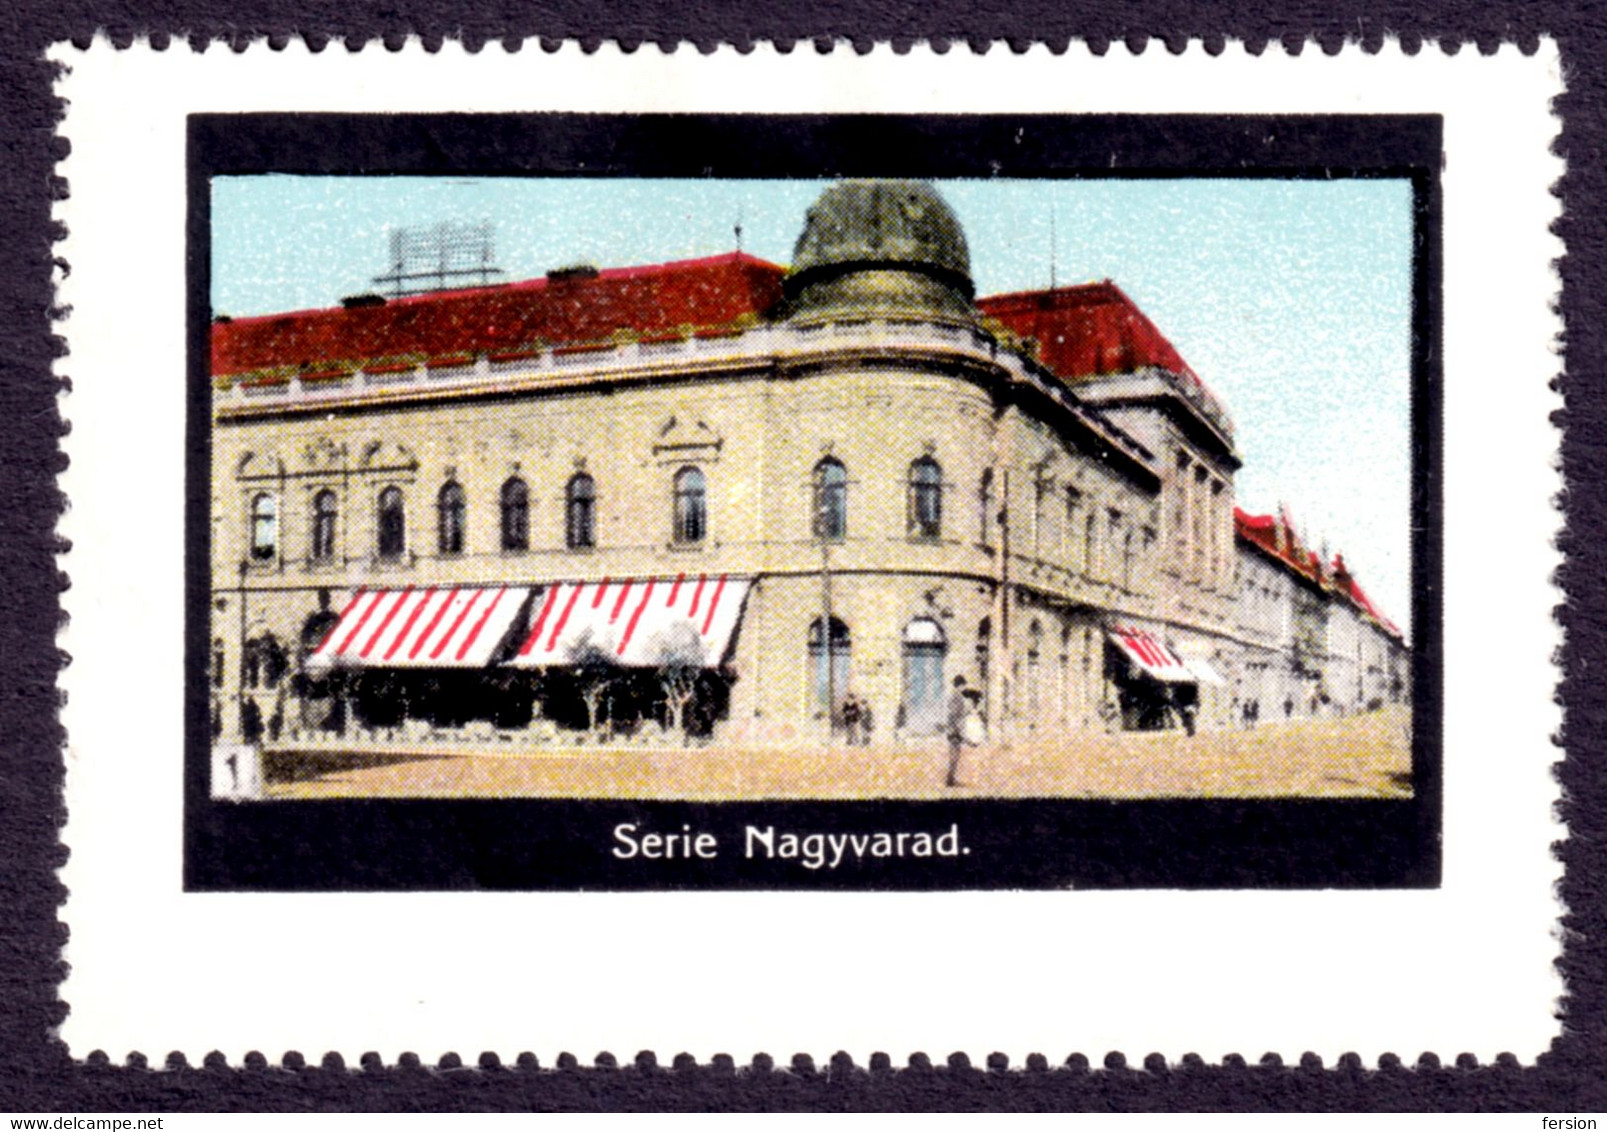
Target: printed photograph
(856,489)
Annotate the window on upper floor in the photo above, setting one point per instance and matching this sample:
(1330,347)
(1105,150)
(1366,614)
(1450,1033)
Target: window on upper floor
(515,515)
(1068,527)
(265,527)
(1043,486)
(926,498)
(451,518)
(691,506)
(391,523)
(325,511)
(830,510)
(580,512)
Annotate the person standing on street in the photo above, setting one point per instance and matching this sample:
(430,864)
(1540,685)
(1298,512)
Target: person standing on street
(850,717)
(959,708)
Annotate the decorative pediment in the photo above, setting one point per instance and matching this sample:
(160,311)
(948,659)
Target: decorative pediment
(259,466)
(684,434)
(323,455)
(386,456)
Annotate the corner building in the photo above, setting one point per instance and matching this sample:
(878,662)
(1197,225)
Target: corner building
(720,500)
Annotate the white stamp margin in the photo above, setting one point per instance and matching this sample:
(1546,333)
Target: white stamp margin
(1464,968)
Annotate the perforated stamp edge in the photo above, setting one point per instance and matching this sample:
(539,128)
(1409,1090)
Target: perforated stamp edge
(123,820)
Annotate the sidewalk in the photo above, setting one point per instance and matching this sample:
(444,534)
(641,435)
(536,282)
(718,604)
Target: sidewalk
(1358,756)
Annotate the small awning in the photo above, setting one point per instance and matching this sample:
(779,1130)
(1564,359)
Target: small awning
(636,622)
(1151,657)
(428,627)
(1206,674)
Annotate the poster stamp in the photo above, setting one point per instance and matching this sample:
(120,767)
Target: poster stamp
(924,507)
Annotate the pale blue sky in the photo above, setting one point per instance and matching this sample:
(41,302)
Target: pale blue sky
(1292,299)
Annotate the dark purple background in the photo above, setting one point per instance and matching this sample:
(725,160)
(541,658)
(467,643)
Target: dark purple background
(35,1073)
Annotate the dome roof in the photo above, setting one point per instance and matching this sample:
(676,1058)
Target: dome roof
(874,247)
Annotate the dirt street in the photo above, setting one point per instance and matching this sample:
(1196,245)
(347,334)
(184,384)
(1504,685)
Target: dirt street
(1359,756)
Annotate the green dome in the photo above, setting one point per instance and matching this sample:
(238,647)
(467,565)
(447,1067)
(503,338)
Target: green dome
(880,248)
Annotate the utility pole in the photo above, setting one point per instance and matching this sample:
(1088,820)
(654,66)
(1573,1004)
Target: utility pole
(821,531)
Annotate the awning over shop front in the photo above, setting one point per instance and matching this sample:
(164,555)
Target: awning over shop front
(639,622)
(421,627)
(1151,657)
(1205,672)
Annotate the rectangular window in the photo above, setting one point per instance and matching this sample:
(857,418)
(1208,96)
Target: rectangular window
(323,526)
(1068,529)
(580,512)
(265,528)
(1040,498)
(925,499)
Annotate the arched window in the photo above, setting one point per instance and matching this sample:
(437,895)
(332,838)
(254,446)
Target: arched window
(515,515)
(984,498)
(926,498)
(831,500)
(829,665)
(392,523)
(691,505)
(925,648)
(265,527)
(450,519)
(324,510)
(580,512)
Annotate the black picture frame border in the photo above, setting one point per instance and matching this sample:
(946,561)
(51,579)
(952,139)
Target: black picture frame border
(565,844)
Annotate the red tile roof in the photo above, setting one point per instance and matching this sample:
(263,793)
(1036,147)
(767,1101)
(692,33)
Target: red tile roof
(1087,330)
(697,293)
(1347,584)
(1262,530)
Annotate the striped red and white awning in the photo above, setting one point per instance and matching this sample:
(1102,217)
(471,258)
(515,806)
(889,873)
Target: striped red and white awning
(421,627)
(1151,656)
(637,622)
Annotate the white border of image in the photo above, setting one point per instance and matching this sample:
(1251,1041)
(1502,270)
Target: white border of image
(1464,968)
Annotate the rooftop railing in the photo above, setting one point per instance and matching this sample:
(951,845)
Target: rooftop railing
(1154,380)
(733,346)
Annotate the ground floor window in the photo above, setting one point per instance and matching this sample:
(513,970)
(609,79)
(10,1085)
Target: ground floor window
(830,666)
